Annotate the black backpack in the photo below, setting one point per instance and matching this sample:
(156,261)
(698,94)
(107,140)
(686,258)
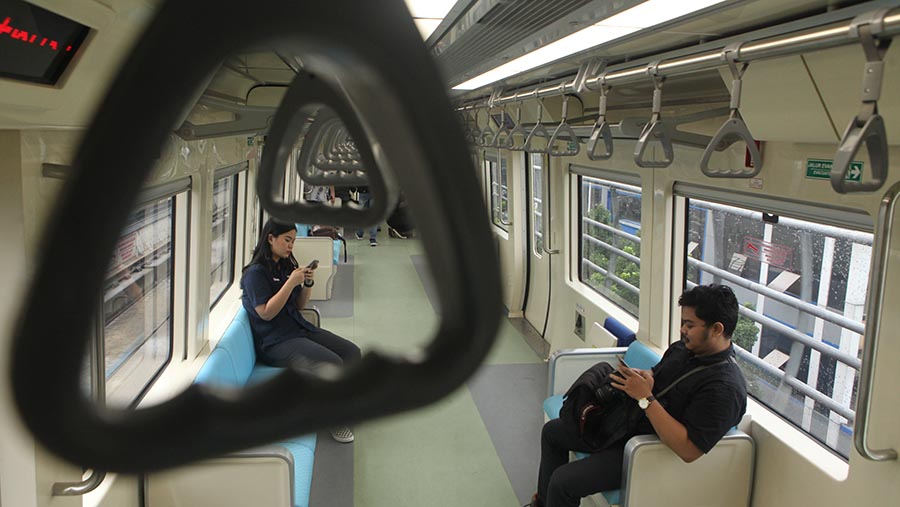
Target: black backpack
(600,425)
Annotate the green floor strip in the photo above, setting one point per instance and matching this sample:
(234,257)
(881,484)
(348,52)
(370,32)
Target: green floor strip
(441,455)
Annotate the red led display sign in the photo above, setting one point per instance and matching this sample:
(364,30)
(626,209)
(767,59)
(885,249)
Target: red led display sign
(35,44)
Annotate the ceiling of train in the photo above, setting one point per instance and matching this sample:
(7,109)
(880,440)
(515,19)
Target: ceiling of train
(477,35)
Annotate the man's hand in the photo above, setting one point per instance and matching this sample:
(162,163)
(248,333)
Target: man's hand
(635,383)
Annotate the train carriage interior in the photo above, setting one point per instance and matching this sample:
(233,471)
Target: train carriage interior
(499,194)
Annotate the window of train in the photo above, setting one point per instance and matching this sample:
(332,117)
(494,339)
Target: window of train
(538,162)
(801,283)
(137,303)
(496,167)
(224,232)
(610,240)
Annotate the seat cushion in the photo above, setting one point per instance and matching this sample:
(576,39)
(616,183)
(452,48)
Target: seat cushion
(552,405)
(238,341)
(303,450)
(218,370)
(640,356)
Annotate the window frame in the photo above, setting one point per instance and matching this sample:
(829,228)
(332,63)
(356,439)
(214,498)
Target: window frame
(178,191)
(235,206)
(614,179)
(853,221)
(497,160)
(537,205)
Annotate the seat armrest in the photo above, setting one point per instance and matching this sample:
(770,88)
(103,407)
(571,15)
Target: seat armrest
(649,461)
(312,316)
(567,365)
(260,476)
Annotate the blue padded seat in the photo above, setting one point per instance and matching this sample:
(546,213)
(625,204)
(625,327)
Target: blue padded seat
(233,364)
(638,356)
(624,335)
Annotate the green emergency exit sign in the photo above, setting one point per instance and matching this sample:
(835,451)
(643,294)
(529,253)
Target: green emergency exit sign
(820,169)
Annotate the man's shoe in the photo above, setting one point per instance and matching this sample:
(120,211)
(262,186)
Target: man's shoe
(359,235)
(342,435)
(373,242)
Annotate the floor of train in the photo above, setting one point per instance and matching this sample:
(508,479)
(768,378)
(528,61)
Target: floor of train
(477,447)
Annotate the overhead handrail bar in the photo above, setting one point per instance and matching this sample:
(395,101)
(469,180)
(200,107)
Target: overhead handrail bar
(538,131)
(518,129)
(410,138)
(601,130)
(794,41)
(881,249)
(867,126)
(734,129)
(573,147)
(655,129)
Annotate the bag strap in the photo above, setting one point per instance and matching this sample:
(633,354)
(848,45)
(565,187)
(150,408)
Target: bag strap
(688,374)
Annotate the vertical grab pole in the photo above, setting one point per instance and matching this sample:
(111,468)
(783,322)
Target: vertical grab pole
(877,275)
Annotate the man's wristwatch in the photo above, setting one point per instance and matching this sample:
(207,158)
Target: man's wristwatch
(645,402)
(309,283)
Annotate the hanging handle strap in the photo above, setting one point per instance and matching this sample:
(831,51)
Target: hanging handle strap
(487,133)
(419,147)
(564,131)
(518,130)
(867,126)
(601,130)
(538,131)
(734,129)
(502,135)
(655,129)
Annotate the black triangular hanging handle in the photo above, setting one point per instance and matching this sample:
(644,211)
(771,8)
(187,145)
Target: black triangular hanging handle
(398,95)
(310,95)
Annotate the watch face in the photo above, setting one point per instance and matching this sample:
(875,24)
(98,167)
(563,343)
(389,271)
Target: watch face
(643,403)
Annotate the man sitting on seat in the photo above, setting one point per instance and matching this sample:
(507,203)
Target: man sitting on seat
(690,419)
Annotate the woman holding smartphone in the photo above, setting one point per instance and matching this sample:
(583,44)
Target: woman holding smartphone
(275,289)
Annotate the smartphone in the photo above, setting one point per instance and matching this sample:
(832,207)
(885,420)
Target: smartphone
(623,363)
(313,264)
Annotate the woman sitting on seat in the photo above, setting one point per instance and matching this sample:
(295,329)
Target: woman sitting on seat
(275,289)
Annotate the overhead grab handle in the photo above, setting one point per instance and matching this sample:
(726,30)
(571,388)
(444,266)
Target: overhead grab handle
(487,133)
(734,129)
(564,131)
(403,126)
(503,133)
(517,130)
(538,131)
(475,135)
(655,129)
(867,126)
(601,130)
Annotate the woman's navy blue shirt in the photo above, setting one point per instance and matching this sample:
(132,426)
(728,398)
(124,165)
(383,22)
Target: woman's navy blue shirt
(259,283)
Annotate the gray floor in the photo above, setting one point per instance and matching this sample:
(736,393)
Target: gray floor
(421,265)
(332,484)
(508,397)
(479,446)
(341,303)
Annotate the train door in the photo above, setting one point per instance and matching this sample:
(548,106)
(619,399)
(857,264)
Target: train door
(537,303)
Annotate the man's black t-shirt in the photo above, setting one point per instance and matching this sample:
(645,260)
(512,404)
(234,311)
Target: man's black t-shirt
(709,402)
